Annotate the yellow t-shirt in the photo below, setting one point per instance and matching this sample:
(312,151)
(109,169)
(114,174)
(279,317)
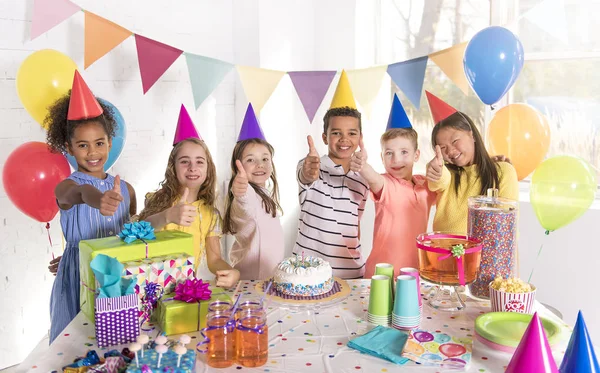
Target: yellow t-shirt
(452,208)
(208,223)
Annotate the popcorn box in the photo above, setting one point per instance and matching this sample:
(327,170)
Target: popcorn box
(166,243)
(177,317)
(512,302)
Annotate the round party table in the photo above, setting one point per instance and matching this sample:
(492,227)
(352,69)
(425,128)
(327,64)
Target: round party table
(310,340)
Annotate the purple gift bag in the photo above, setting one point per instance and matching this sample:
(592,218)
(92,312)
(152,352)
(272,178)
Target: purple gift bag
(117,320)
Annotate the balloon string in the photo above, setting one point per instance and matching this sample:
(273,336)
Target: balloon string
(537,257)
(48,230)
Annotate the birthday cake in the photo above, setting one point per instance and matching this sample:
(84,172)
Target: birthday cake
(305,276)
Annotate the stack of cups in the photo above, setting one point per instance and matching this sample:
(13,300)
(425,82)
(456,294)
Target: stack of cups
(406,313)
(380,300)
(414,273)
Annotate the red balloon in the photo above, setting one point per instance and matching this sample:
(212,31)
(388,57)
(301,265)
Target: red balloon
(30,174)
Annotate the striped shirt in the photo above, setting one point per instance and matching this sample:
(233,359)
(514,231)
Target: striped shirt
(330,212)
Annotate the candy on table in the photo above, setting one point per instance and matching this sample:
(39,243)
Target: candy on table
(160,340)
(143,339)
(173,358)
(135,347)
(161,349)
(185,339)
(180,351)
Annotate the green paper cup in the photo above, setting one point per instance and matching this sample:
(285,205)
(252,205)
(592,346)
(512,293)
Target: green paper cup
(385,269)
(380,297)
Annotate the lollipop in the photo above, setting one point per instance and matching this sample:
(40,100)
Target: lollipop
(160,349)
(143,339)
(185,339)
(180,351)
(135,347)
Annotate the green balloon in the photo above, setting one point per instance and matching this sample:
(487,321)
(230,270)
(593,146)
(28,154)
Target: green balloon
(562,189)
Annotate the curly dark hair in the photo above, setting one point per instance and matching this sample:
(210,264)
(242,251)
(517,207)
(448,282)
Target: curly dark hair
(345,111)
(60,130)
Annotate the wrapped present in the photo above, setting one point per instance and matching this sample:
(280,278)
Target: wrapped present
(166,243)
(186,312)
(164,270)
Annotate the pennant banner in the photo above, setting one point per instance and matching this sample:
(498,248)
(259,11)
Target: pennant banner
(409,77)
(549,15)
(365,84)
(311,87)
(451,62)
(49,13)
(205,75)
(259,84)
(154,59)
(101,36)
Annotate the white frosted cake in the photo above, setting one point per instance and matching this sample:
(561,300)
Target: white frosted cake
(306,277)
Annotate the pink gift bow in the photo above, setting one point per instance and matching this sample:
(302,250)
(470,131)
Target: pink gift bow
(459,260)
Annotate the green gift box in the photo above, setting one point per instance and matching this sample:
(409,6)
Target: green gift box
(177,317)
(166,242)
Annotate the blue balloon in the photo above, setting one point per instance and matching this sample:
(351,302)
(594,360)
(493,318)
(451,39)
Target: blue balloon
(117,142)
(493,60)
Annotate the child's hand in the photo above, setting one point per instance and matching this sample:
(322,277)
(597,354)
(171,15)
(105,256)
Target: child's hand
(228,277)
(182,213)
(359,158)
(53,267)
(501,158)
(240,183)
(312,162)
(435,166)
(109,202)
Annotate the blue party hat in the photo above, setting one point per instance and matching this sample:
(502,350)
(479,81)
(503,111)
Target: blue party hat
(250,126)
(398,117)
(580,356)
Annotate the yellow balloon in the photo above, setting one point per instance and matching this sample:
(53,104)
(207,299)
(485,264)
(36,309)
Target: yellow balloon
(562,189)
(44,77)
(521,133)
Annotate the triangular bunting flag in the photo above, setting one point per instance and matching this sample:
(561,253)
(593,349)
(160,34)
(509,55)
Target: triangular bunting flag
(365,84)
(409,77)
(343,97)
(259,84)
(398,117)
(451,62)
(205,75)
(311,87)
(49,13)
(549,15)
(439,109)
(533,354)
(154,59)
(101,36)
(580,356)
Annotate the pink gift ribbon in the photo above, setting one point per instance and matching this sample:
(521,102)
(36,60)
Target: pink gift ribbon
(459,260)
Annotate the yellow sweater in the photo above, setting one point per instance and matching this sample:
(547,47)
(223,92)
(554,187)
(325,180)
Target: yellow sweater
(452,208)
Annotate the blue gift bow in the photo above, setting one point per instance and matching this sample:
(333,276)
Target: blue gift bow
(141,230)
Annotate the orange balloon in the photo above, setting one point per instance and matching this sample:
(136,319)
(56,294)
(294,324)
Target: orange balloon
(521,133)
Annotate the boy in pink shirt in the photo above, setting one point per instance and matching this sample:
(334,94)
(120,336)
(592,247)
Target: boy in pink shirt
(402,200)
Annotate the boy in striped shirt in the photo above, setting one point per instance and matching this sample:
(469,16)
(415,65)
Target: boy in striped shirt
(332,198)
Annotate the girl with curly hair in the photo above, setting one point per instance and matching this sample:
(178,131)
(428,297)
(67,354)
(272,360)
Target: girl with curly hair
(93,204)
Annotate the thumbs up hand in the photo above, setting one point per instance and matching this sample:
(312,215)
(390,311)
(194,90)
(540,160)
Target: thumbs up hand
(312,163)
(109,202)
(240,183)
(359,158)
(182,213)
(435,166)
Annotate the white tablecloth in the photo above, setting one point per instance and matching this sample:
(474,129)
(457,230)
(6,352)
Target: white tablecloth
(309,341)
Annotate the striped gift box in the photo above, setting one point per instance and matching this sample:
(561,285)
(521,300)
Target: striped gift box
(117,320)
(512,302)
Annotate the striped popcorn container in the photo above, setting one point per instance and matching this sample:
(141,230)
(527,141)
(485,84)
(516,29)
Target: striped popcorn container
(512,302)
(117,320)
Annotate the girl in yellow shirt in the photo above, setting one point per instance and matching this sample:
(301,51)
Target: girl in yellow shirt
(185,202)
(462,168)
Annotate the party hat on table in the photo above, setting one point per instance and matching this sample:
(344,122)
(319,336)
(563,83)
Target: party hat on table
(82,104)
(343,94)
(398,117)
(250,126)
(185,127)
(580,356)
(533,354)
(439,109)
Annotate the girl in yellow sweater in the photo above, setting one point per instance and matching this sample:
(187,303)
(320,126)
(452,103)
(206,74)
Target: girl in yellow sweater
(462,168)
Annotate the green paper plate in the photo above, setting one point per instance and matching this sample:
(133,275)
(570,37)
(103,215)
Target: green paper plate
(507,328)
